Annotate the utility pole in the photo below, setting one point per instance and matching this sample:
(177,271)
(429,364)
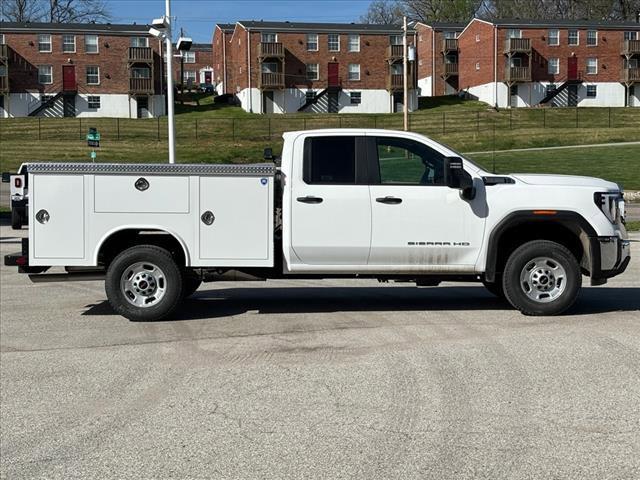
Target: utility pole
(181,72)
(170,99)
(405,76)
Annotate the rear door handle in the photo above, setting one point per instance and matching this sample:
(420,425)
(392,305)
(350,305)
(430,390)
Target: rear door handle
(389,200)
(310,199)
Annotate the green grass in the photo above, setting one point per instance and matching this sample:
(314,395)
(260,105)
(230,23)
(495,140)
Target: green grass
(633,226)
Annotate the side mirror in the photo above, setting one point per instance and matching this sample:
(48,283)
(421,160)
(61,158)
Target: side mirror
(268,154)
(6,177)
(457,177)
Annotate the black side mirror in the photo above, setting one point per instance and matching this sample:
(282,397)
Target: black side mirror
(268,154)
(457,177)
(6,177)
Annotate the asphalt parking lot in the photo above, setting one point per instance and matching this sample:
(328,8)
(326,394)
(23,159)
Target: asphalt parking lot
(331,379)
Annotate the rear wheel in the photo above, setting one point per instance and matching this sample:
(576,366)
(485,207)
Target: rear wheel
(144,283)
(542,278)
(16,219)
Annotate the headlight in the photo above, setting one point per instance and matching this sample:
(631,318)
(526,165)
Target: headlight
(611,204)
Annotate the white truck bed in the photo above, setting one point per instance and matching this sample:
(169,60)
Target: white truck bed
(86,203)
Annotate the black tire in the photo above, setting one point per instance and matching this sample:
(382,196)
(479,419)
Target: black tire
(16,219)
(526,262)
(495,287)
(167,280)
(191,281)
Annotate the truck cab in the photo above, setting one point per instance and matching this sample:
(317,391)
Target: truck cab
(361,203)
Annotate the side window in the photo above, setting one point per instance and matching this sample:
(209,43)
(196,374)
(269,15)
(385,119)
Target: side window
(407,162)
(330,160)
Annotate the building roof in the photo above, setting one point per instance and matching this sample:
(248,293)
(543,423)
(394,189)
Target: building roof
(202,47)
(89,27)
(369,28)
(226,27)
(444,25)
(602,24)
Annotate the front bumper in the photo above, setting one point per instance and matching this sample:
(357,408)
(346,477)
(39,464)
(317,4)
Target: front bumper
(610,256)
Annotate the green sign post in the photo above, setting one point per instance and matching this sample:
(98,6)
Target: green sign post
(93,141)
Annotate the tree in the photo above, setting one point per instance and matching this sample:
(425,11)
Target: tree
(20,10)
(55,11)
(442,10)
(383,12)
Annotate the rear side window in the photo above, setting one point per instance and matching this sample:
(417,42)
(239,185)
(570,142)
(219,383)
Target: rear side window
(330,160)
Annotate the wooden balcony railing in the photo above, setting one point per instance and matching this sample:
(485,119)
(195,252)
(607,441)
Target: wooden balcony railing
(4,83)
(272,80)
(517,74)
(141,85)
(4,53)
(631,75)
(140,55)
(395,81)
(630,47)
(517,45)
(450,69)
(394,52)
(450,45)
(271,49)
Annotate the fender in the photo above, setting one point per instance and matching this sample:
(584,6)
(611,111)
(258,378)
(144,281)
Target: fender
(573,221)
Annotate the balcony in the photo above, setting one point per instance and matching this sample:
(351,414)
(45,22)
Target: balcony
(140,85)
(395,81)
(4,84)
(395,52)
(517,74)
(450,69)
(515,45)
(631,47)
(630,75)
(4,53)
(449,45)
(140,55)
(270,50)
(271,81)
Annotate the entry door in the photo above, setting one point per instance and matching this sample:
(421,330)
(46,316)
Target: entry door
(330,206)
(207,77)
(143,107)
(69,78)
(572,68)
(572,94)
(333,74)
(267,101)
(417,221)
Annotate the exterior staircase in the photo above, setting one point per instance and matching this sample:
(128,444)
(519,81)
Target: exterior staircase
(553,93)
(45,105)
(313,100)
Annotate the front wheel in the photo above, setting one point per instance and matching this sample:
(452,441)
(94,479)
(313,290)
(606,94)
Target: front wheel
(542,278)
(144,283)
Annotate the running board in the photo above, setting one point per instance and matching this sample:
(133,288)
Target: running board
(66,277)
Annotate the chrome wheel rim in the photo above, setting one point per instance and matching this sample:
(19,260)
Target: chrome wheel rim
(543,279)
(143,284)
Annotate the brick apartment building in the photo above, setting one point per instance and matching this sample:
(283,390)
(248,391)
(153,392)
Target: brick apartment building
(522,63)
(221,35)
(198,65)
(437,49)
(85,70)
(284,67)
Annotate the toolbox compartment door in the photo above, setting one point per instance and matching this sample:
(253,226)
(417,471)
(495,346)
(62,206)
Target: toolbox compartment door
(141,194)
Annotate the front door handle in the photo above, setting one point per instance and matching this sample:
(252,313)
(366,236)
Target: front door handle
(389,200)
(310,199)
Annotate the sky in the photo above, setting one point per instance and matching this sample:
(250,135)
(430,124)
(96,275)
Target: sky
(198,17)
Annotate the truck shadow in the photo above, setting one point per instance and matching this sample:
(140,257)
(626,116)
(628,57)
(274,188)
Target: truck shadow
(227,302)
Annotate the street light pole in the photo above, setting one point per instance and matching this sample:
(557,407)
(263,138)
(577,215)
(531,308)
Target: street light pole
(405,76)
(170,100)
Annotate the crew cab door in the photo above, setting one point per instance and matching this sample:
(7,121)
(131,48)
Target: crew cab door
(418,223)
(330,206)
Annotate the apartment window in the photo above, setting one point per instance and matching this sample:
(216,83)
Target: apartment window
(309,95)
(356,98)
(269,67)
(333,40)
(395,40)
(554,66)
(592,38)
(592,66)
(592,91)
(312,71)
(268,38)
(550,88)
(91,43)
(354,71)
(45,74)
(189,77)
(93,75)
(477,65)
(354,43)
(312,42)
(574,37)
(627,36)
(44,43)
(514,33)
(140,72)
(94,102)
(477,37)
(554,37)
(69,43)
(450,34)
(189,57)
(45,98)
(631,63)
(139,42)
(396,69)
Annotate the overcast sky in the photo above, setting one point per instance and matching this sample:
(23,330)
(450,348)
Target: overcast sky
(198,17)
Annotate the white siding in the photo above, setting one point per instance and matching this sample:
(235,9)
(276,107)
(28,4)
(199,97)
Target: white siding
(424,86)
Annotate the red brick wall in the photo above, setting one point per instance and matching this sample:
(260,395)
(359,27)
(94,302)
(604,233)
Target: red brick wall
(472,52)
(24,58)
(204,59)
(237,60)
(425,52)
(218,57)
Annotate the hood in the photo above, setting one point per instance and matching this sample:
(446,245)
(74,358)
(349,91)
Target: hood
(565,181)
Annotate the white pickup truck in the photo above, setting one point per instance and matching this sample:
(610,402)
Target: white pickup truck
(394,206)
